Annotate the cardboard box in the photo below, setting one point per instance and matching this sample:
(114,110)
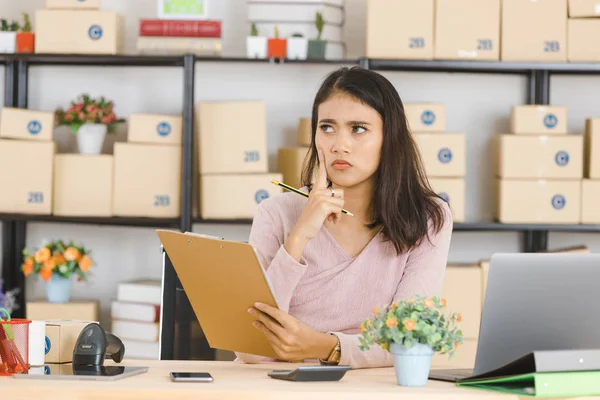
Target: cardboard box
(304,137)
(400,29)
(78,32)
(485,271)
(155,128)
(443,154)
(467,29)
(235,196)
(539,201)
(582,40)
(464,357)
(61,336)
(534,30)
(72,311)
(453,191)
(462,290)
(590,201)
(584,8)
(73,4)
(538,119)
(147,180)
(83,185)
(425,117)
(232,137)
(290,161)
(26,177)
(21,123)
(539,156)
(592,148)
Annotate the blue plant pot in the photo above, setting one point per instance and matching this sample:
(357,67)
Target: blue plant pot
(58,289)
(411,365)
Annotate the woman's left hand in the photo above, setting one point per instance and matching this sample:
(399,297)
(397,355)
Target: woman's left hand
(291,339)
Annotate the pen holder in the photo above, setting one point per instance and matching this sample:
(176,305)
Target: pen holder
(14,346)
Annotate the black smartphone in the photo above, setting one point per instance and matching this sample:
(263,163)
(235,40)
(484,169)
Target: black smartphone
(191,377)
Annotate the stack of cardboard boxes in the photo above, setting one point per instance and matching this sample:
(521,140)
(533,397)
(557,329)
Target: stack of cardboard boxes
(233,167)
(590,187)
(583,29)
(539,168)
(290,160)
(443,153)
(78,27)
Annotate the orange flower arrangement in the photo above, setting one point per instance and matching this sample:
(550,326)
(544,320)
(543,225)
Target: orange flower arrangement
(60,258)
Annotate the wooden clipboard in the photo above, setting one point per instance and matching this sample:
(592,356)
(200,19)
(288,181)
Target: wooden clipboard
(222,280)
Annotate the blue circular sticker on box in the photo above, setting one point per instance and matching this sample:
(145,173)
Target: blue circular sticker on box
(559,202)
(428,117)
(95,32)
(34,127)
(550,121)
(445,196)
(163,129)
(261,195)
(445,155)
(46,370)
(47,345)
(561,158)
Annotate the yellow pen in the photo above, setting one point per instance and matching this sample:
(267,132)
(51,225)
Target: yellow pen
(292,189)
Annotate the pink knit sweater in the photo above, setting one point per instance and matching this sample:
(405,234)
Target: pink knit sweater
(334,292)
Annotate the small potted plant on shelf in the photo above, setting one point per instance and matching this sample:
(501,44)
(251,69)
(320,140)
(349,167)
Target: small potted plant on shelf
(8,36)
(8,299)
(90,119)
(277,46)
(57,262)
(317,47)
(297,47)
(256,45)
(412,331)
(26,37)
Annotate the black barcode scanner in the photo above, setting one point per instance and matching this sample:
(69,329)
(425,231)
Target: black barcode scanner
(94,345)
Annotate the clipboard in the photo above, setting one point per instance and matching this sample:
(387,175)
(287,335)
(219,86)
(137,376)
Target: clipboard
(222,280)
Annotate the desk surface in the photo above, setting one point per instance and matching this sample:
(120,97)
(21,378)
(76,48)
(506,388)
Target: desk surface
(231,381)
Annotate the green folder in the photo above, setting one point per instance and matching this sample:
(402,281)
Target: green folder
(542,384)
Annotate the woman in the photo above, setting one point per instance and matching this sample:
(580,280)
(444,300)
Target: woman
(330,269)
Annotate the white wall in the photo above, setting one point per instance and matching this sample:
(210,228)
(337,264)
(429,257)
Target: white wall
(477,105)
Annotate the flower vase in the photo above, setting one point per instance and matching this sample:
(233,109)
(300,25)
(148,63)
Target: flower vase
(58,289)
(90,138)
(412,365)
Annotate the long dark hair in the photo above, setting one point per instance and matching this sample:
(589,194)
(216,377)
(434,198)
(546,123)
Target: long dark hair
(403,203)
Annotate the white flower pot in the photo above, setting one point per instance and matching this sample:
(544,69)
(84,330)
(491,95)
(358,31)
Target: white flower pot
(8,42)
(256,47)
(297,48)
(90,138)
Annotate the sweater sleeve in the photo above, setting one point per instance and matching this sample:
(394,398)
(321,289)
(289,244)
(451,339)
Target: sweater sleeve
(423,275)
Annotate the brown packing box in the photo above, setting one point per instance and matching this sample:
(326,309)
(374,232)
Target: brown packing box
(147,180)
(453,191)
(590,201)
(539,201)
(539,156)
(61,336)
(227,146)
(467,29)
(592,148)
(73,4)
(462,290)
(83,185)
(464,356)
(18,123)
(425,117)
(27,188)
(79,32)
(73,311)
(400,29)
(584,8)
(235,196)
(290,161)
(538,119)
(443,154)
(155,128)
(534,30)
(304,132)
(583,45)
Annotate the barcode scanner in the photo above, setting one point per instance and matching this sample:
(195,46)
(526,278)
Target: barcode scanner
(94,345)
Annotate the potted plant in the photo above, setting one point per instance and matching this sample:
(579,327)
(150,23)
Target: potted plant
(256,46)
(412,331)
(26,38)
(8,299)
(316,47)
(56,263)
(297,47)
(8,36)
(277,46)
(90,119)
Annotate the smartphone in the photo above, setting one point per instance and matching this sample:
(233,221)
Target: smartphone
(191,377)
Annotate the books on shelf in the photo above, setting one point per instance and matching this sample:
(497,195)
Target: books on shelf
(201,37)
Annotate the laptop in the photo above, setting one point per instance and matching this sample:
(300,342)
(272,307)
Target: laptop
(535,302)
